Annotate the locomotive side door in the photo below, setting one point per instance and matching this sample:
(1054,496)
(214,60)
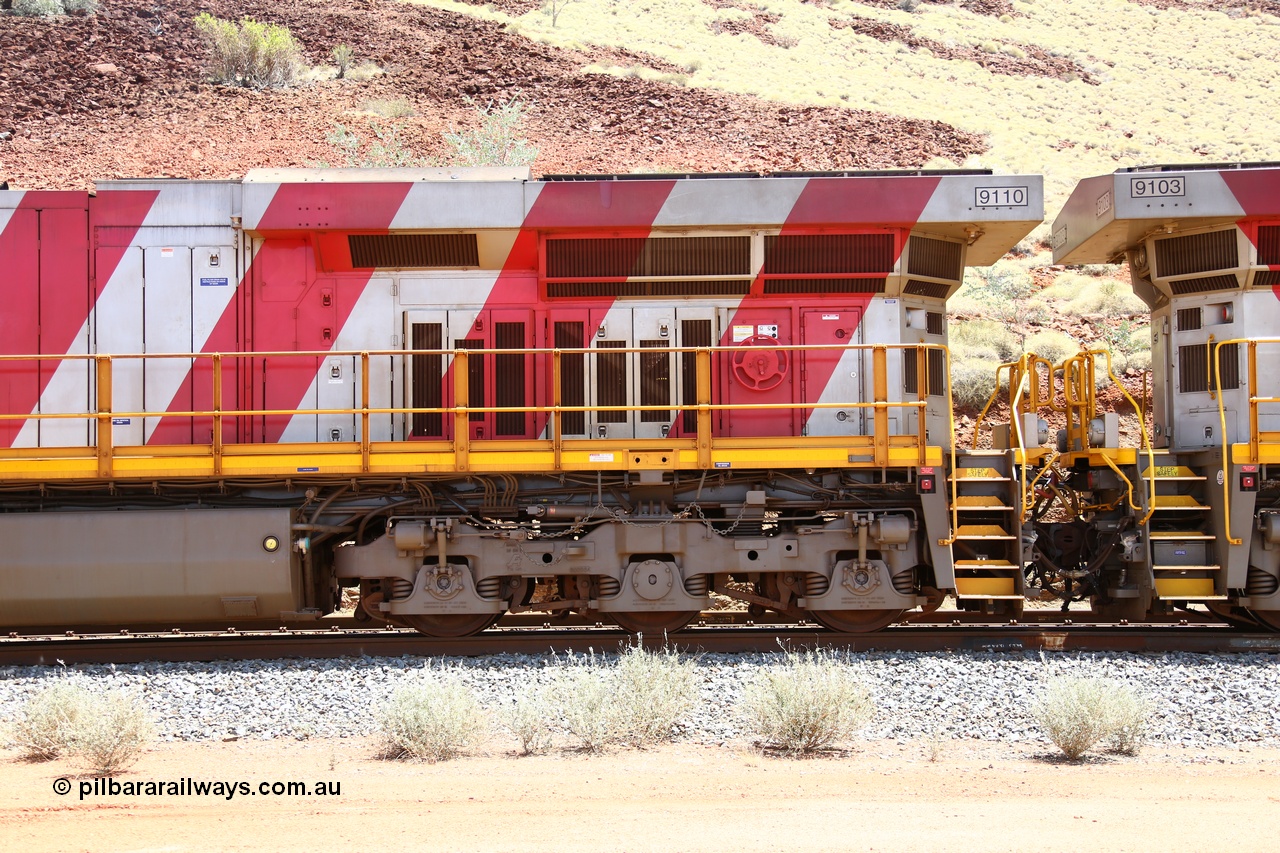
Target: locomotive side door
(574,328)
(654,369)
(832,375)
(424,373)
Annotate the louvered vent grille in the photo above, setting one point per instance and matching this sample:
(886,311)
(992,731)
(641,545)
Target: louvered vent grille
(413,251)
(1194,369)
(611,381)
(1266,278)
(1190,319)
(475,376)
(588,289)
(693,333)
(934,258)
(573,386)
(1269,244)
(509,379)
(427,373)
(1204,285)
(637,257)
(824,285)
(655,381)
(808,254)
(1194,253)
(927,288)
(935,323)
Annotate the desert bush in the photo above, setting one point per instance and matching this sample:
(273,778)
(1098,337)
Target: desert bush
(531,718)
(393,109)
(973,380)
(1051,345)
(654,689)
(588,704)
(342,58)
(250,54)
(433,721)
(45,729)
(985,338)
(811,702)
(88,7)
(37,8)
(383,148)
(111,732)
(498,141)
(1079,713)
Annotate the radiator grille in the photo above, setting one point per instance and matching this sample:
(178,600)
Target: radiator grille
(637,257)
(693,333)
(655,381)
(936,372)
(1190,319)
(475,376)
(427,370)
(1204,285)
(1194,372)
(806,254)
(611,381)
(1269,244)
(935,323)
(934,258)
(413,251)
(573,385)
(509,379)
(614,289)
(1216,250)
(1266,278)
(927,288)
(824,285)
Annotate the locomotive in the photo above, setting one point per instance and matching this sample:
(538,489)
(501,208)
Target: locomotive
(462,393)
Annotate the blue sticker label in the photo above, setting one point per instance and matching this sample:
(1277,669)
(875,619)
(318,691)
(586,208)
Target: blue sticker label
(213,282)
(307,470)
(724,464)
(121,421)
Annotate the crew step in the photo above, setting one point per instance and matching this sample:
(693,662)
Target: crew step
(1186,503)
(985,475)
(1179,535)
(1172,472)
(982,531)
(981,503)
(1196,589)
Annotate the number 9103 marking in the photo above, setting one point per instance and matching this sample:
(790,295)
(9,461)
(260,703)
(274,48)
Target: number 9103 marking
(1157,187)
(1000,197)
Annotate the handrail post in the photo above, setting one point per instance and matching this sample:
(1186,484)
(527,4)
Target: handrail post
(217,413)
(1253,403)
(702,363)
(922,397)
(461,416)
(557,416)
(103,375)
(880,439)
(364,412)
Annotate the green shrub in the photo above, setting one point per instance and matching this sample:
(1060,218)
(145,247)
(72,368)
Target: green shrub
(382,149)
(1080,713)
(531,718)
(37,8)
(433,721)
(342,58)
(88,7)
(250,54)
(655,689)
(588,704)
(111,732)
(811,702)
(498,141)
(985,339)
(46,728)
(973,380)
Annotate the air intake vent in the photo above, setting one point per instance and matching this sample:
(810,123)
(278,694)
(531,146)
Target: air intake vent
(413,251)
(934,258)
(1269,244)
(1190,319)
(807,254)
(935,323)
(824,285)
(927,288)
(1195,373)
(1266,278)
(1195,253)
(936,375)
(640,257)
(1204,285)
(615,289)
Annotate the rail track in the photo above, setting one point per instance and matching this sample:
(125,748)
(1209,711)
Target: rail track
(344,638)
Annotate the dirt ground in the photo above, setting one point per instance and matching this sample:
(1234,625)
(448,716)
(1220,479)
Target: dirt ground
(881,796)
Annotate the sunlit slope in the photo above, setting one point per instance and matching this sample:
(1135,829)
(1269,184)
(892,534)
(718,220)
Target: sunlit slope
(1171,85)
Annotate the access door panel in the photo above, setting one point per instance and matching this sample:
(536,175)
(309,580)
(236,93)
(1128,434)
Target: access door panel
(832,375)
(757,370)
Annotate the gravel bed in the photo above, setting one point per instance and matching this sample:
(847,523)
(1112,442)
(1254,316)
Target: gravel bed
(1198,700)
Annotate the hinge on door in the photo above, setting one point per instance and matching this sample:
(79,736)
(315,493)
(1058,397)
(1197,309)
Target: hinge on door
(395,289)
(395,342)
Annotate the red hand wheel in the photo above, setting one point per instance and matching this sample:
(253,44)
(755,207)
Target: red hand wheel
(757,367)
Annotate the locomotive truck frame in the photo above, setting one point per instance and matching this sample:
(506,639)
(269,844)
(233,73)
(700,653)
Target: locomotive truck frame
(468,393)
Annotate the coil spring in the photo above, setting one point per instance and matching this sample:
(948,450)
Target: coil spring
(1260,583)
(697,584)
(816,584)
(609,587)
(904,583)
(490,588)
(400,589)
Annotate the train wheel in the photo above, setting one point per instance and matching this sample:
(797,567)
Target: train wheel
(654,622)
(1269,619)
(856,621)
(450,624)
